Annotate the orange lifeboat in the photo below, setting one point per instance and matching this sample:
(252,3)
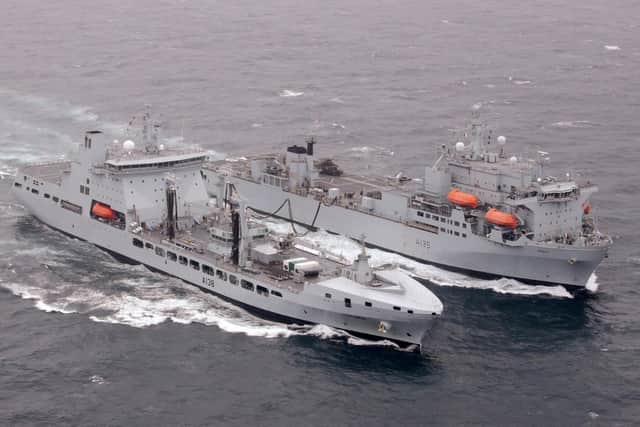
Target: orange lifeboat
(503,219)
(103,211)
(461,198)
(587,208)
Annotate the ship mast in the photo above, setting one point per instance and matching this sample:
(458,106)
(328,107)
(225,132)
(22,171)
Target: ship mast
(363,273)
(477,147)
(243,249)
(239,229)
(172,206)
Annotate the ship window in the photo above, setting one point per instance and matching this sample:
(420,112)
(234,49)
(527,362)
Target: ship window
(396,308)
(347,302)
(87,181)
(233,279)
(195,265)
(420,213)
(207,270)
(443,220)
(47,196)
(86,190)
(171,256)
(246,285)
(276,293)
(435,218)
(443,229)
(464,235)
(55,199)
(159,251)
(148,245)
(327,295)
(464,225)
(182,260)
(81,189)
(456,223)
(456,233)
(367,304)
(427,215)
(137,243)
(17,184)
(72,207)
(261,290)
(410,311)
(28,188)
(221,274)
(34,191)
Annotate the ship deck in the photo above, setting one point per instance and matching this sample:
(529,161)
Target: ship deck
(51,172)
(271,274)
(347,183)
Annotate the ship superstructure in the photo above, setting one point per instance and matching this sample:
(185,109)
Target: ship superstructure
(149,204)
(477,209)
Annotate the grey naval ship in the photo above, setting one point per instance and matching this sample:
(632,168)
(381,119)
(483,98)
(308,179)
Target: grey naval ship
(477,209)
(147,203)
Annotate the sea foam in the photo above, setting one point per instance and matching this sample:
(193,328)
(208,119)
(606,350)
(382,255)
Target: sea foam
(286,93)
(348,249)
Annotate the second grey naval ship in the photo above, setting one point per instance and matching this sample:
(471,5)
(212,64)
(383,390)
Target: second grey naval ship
(477,209)
(148,203)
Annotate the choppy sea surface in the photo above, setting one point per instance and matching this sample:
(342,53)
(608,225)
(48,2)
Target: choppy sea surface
(86,340)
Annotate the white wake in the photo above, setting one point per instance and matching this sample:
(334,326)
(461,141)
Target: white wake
(343,247)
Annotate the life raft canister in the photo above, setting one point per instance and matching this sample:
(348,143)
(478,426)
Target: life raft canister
(460,198)
(503,219)
(103,211)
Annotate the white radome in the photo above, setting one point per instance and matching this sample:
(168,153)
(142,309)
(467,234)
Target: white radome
(459,146)
(128,145)
(502,140)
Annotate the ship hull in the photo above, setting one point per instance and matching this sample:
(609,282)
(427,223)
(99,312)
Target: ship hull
(294,307)
(532,263)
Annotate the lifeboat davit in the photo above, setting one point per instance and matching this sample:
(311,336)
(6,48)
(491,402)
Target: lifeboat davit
(461,198)
(503,219)
(103,211)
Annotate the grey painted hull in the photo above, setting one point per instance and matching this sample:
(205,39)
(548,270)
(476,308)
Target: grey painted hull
(540,263)
(294,305)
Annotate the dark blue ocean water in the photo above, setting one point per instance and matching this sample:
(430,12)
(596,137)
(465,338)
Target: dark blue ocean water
(85,340)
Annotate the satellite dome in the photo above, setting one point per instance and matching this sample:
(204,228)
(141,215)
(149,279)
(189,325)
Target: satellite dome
(502,140)
(116,142)
(161,147)
(459,146)
(128,145)
(513,159)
